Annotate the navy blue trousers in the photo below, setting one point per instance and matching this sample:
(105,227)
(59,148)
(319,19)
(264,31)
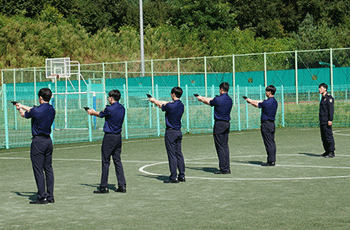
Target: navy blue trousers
(327,138)
(41,157)
(268,135)
(112,146)
(173,147)
(221,132)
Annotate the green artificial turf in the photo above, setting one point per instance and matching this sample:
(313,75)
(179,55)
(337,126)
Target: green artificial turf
(303,191)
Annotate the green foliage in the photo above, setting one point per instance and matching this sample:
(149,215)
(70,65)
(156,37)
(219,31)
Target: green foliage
(108,30)
(50,14)
(202,14)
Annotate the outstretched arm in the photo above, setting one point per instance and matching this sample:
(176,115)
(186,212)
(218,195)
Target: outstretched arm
(253,102)
(205,100)
(157,102)
(92,112)
(22,109)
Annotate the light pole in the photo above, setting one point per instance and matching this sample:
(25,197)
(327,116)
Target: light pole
(141,41)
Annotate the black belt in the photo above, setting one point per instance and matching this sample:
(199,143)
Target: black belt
(267,121)
(222,121)
(168,128)
(41,135)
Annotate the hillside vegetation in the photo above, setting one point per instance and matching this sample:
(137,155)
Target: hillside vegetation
(108,30)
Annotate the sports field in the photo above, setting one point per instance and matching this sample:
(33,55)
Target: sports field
(303,191)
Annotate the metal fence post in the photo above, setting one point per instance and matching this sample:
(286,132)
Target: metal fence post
(7,142)
(246,109)
(35,97)
(2,83)
(89,103)
(53,123)
(331,70)
(178,73)
(158,121)
(104,83)
(296,78)
(238,110)
(205,76)
(152,77)
(346,94)
(187,111)
(94,107)
(265,69)
(282,92)
(126,86)
(14,96)
(2,77)
(212,108)
(234,78)
(260,95)
(150,111)
(126,113)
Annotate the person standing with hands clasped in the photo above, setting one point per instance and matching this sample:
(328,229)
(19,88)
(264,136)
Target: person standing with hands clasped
(41,149)
(326,120)
(173,135)
(112,141)
(268,113)
(222,109)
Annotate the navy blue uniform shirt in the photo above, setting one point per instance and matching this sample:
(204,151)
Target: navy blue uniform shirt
(222,107)
(326,109)
(42,119)
(268,109)
(173,113)
(114,118)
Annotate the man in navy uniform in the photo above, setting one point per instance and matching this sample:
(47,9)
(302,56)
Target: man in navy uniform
(222,109)
(112,141)
(326,120)
(268,115)
(173,136)
(41,149)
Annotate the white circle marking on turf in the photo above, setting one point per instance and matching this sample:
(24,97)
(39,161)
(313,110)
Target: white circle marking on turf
(340,134)
(142,170)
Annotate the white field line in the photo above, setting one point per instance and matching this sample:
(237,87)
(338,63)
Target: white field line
(142,170)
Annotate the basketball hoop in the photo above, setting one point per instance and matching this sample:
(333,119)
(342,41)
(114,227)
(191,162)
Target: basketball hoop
(54,77)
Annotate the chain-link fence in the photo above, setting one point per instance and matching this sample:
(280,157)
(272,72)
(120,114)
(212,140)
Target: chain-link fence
(296,74)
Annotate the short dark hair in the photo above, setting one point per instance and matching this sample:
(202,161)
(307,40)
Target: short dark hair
(271,89)
(45,93)
(224,86)
(324,85)
(115,94)
(177,91)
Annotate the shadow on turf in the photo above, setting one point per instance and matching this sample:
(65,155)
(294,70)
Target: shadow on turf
(249,162)
(31,195)
(205,169)
(311,154)
(110,186)
(162,178)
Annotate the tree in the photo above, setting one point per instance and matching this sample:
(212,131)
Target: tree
(202,14)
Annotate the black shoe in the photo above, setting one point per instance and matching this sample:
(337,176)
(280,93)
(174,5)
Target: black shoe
(39,201)
(171,181)
(182,179)
(51,201)
(269,163)
(105,190)
(330,155)
(121,189)
(222,172)
(324,154)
